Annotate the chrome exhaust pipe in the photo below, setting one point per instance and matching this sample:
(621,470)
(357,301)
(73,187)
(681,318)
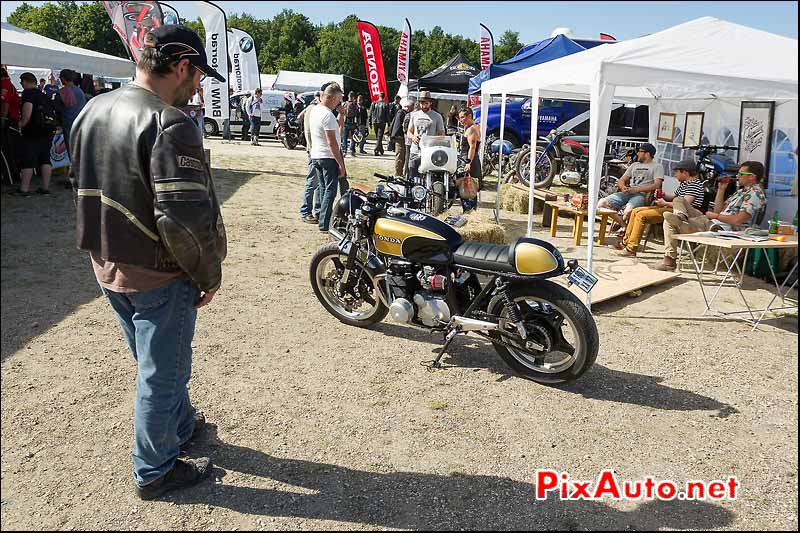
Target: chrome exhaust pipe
(336,233)
(470,324)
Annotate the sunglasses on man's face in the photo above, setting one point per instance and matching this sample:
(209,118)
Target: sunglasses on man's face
(740,173)
(202,74)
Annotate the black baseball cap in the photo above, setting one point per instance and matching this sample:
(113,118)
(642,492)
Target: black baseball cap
(686,164)
(179,42)
(647,147)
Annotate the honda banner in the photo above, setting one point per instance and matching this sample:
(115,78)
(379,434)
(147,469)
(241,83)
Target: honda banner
(131,21)
(486,45)
(215,92)
(373,60)
(404,54)
(244,61)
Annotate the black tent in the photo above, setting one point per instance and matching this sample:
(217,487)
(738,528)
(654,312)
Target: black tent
(452,77)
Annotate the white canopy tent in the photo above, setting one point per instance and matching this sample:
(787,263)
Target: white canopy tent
(267,80)
(28,49)
(702,64)
(299,82)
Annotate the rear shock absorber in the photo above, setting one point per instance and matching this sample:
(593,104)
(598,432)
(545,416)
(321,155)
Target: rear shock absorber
(513,309)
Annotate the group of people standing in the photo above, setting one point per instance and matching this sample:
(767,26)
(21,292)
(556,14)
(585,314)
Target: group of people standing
(31,119)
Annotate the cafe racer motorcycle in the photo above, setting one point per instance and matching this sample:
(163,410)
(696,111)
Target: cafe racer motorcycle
(389,259)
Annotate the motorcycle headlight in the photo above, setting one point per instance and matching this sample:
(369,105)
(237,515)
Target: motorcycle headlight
(418,192)
(439,158)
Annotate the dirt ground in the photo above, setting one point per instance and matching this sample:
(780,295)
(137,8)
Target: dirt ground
(316,425)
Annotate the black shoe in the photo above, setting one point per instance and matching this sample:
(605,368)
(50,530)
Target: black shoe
(23,194)
(310,219)
(199,428)
(185,473)
(42,191)
(323,230)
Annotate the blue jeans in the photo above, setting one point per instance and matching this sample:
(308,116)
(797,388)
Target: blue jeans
(618,200)
(309,196)
(364,132)
(159,326)
(255,126)
(349,142)
(328,174)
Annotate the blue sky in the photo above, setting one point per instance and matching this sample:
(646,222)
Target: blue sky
(533,20)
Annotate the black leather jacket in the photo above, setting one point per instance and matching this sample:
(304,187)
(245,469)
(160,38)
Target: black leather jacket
(144,194)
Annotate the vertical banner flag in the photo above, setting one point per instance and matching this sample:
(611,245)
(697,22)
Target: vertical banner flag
(215,92)
(607,37)
(373,60)
(486,45)
(170,14)
(404,54)
(486,48)
(242,52)
(131,21)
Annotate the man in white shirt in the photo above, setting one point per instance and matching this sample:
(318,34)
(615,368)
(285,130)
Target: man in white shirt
(254,111)
(326,155)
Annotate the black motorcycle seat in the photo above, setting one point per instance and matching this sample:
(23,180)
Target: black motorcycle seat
(493,257)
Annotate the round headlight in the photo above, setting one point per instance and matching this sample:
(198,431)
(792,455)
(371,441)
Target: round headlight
(439,158)
(418,192)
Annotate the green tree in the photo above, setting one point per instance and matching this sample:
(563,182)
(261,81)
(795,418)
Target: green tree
(508,46)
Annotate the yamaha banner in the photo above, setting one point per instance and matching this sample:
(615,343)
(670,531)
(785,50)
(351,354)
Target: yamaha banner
(215,92)
(373,60)
(486,45)
(132,21)
(404,54)
(244,61)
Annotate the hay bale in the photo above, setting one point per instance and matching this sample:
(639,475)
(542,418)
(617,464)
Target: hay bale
(479,228)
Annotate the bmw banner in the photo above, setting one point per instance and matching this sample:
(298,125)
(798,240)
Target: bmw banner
(215,94)
(244,61)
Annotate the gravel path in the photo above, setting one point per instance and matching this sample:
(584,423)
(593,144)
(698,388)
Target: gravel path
(316,425)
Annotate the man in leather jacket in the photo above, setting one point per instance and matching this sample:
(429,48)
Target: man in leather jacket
(148,215)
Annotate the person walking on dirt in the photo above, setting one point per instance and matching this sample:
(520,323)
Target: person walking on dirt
(148,215)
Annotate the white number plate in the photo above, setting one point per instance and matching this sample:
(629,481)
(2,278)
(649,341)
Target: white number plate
(583,279)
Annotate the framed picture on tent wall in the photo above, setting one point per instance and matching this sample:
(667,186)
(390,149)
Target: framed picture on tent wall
(666,127)
(693,129)
(755,132)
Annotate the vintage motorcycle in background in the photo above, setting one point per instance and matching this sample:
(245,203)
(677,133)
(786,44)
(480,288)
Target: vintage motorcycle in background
(568,159)
(389,259)
(288,129)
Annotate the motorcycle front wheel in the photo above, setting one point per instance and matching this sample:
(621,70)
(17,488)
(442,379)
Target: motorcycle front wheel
(289,141)
(545,170)
(359,305)
(555,319)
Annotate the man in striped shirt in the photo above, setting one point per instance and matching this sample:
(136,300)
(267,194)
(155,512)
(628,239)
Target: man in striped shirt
(690,189)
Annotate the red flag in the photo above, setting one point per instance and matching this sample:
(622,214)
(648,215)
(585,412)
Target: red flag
(373,60)
(486,44)
(607,37)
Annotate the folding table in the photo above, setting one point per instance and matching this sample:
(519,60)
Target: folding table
(741,247)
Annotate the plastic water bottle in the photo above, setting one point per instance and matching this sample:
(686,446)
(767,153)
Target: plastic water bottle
(773,224)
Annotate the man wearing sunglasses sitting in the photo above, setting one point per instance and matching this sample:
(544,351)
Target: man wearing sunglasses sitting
(738,213)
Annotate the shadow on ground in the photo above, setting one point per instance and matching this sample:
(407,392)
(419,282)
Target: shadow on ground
(420,501)
(44,276)
(599,382)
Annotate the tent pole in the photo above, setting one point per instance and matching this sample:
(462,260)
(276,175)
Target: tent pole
(484,120)
(532,156)
(500,161)
(599,116)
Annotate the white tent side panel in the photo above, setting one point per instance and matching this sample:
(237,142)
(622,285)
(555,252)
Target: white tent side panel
(298,82)
(24,48)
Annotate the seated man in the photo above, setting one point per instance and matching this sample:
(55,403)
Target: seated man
(739,211)
(690,189)
(643,176)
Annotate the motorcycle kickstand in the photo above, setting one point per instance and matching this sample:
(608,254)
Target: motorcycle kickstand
(447,340)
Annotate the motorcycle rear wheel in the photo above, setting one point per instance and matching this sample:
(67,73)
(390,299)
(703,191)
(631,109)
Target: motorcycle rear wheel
(571,347)
(289,142)
(545,171)
(325,273)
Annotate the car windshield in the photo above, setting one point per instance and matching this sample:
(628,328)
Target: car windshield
(432,141)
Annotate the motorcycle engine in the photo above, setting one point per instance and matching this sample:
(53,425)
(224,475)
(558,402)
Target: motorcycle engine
(570,174)
(429,305)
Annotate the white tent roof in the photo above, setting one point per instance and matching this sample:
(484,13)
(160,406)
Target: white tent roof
(298,82)
(267,80)
(703,58)
(21,47)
